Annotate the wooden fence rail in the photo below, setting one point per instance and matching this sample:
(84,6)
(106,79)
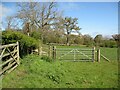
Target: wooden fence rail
(99,55)
(54,53)
(46,51)
(9,57)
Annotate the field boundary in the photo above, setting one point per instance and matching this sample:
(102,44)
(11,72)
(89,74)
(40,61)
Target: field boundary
(9,57)
(53,51)
(75,54)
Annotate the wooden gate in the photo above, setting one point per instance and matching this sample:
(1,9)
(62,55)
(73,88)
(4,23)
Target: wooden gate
(75,54)
(9,57)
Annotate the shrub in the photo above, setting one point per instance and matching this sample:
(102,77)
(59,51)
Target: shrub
(27,44)
(36,35)
(46,58)
(108,43)
(112,44)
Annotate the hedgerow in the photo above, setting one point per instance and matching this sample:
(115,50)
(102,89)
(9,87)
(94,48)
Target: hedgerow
(27,44)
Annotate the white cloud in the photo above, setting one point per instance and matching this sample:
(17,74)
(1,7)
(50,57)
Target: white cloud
(4,11)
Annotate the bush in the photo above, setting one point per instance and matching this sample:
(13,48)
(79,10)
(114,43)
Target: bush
(108,43)
(27,44)
(36,35)
(47,59)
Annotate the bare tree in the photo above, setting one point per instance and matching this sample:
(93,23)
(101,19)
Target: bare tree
(47,15)
(70,25)
(26,28)
(43,15)
(27,12)
(11,22)
(116,37)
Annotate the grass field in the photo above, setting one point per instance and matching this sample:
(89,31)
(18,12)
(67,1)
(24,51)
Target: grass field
(36,73)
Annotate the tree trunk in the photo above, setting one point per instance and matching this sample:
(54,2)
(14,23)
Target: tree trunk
(67,41)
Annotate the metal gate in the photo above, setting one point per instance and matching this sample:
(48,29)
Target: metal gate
(75,54)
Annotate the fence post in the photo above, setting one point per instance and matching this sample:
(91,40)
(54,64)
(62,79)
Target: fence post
(54,52)
(98,55)
(18,53)
(93,53)
(50,51)
(41,51)
(74,54)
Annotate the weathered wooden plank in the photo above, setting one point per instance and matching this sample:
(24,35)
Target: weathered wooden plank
(12,68)
(40,51)
(9,45)
(6,68)
(67,49)
(12,55)
(55,52)
(93,52)
(7,54)
(2,53)
(105,57)
(11,59)
(50,51)
(75,53)
(18,61)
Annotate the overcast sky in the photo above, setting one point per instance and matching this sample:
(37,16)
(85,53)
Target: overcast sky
(93,17)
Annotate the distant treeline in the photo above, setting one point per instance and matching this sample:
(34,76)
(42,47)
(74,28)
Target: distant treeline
(28,43)
(54,37)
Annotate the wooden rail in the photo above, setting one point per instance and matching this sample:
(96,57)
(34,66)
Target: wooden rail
(52,52)
(44,51)
(9,57)
(74,54)
(104,57)
(101,55)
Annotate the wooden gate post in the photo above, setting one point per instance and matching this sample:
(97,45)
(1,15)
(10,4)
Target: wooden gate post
(18,61)
(41,51)
(98,55)
(93,53)
(54,52)
(50,51)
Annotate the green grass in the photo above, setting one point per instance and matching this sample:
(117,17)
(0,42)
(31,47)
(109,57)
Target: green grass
(36,73)
(110,53)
